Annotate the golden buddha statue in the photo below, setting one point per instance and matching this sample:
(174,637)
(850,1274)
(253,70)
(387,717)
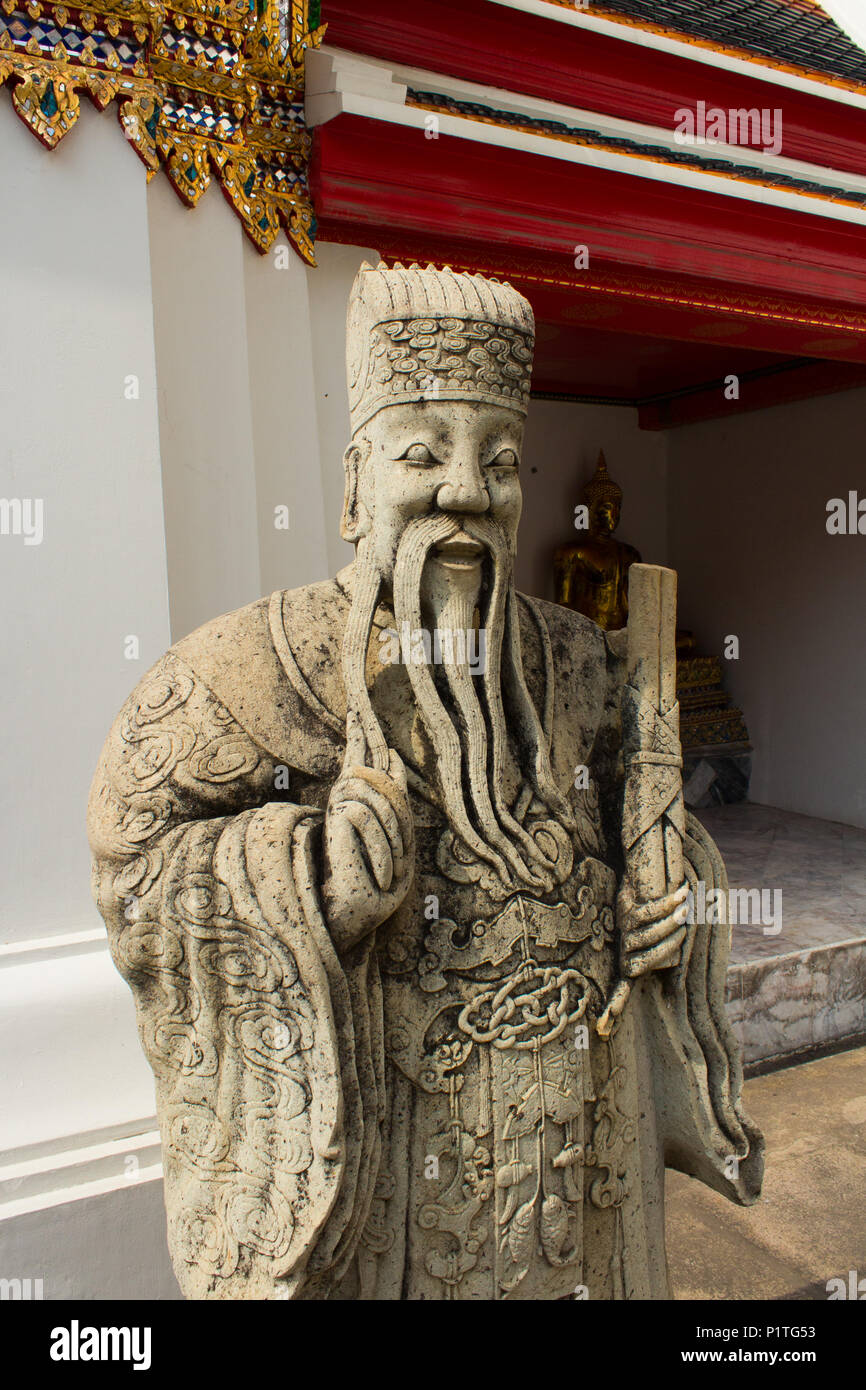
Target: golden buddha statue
(592,576)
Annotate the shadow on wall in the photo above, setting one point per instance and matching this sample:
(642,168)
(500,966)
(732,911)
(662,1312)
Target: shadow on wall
(749,540)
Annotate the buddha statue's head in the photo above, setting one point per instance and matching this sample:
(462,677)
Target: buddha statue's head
(604,499)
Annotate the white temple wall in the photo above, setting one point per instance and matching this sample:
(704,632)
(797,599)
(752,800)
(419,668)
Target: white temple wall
(80,437)
(252,407)
(292,524)
(329,287)
(748,535)
(562,443)
(84,613)
(205,409)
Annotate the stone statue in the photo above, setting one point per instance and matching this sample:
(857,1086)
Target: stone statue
(592,576)
(396,867)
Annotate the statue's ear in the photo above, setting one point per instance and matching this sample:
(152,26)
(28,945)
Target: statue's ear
(355,521)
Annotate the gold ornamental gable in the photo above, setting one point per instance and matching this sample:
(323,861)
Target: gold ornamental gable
(204,88)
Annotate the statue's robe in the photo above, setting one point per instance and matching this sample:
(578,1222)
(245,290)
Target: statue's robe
(432,1114)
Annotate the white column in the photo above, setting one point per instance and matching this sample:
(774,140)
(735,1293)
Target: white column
(285,432)
(205,417)
(80,436)
(329,286)
(85,613)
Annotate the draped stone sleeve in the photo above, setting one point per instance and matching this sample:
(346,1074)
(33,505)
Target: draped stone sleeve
(696,1063)
(259,1037)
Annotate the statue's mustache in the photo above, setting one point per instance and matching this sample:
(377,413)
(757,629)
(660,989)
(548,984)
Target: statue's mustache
(438,527)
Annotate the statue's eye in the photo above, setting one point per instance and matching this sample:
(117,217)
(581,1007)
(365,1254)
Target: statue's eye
(506,458)
(418,453)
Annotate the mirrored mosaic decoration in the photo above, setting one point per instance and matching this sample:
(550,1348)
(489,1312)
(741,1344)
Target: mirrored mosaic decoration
(204,88)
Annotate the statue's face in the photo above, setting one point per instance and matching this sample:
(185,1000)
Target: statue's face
(433,502)
(606,517)
(458,458)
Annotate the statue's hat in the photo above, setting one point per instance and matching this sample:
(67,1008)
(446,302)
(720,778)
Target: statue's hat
(418,334)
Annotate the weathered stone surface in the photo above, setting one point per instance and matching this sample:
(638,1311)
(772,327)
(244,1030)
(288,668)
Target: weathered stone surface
(425,1017)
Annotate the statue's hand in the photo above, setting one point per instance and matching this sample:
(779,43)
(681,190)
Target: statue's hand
(650,933)
(369,842)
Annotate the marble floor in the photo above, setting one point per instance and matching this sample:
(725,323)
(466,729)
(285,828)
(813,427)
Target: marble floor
(820,867)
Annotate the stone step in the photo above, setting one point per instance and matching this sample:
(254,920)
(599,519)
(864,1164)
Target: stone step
(800,1004)
(797,986)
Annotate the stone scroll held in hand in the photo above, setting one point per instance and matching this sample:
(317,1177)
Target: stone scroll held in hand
(653,813)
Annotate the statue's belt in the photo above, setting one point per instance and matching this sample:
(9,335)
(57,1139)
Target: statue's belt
(524,929)
(514,982)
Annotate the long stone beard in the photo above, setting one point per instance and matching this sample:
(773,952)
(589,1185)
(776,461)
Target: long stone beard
(464,715)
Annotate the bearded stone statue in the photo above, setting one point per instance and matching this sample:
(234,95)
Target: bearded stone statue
(418,1029)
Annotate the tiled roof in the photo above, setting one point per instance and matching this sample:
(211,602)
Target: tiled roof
(794,34)
(586,135)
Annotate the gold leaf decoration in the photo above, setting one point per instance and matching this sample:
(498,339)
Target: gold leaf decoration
(214,89)
(186,164)
(45,98)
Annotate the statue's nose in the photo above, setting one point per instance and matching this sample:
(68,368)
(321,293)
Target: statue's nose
(463,491)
